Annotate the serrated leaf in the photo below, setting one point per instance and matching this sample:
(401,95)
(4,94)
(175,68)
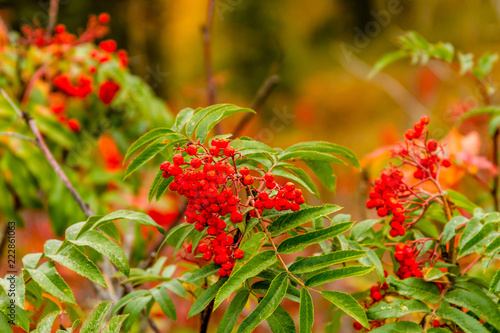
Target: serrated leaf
(292,220)
(31,260)
(253,267)
(399,327)
(203,272)
(337,274)
(297,243)
(163,299)
(127,298)
(182,118)
(461,201)
(361,227)
(250,247)
(481,306)
(145,140)
(115,324)
(280,321)
(20,288)
(463,320)
(348,304)
(74,259)
(95,222)
(267,305)
(233,311)
(306,312)
(416,288)
(493,246)
(162,187)
(385,61)
(176,287)
(147,154)
(45,325)
(134,309)
(313,263)
(495,283)
(106,247)
(480,239)
(396,309)
(261,287)
(470,230)
(205,298)
(450,228)
(52,283)
(96,318)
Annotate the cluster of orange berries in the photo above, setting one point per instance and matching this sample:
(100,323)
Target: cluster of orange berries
(405,256)
(209,179)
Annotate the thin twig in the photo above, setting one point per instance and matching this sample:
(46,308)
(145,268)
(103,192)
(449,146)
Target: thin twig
(207,48)
(48,154)
(19,136)
(264,92)
(53,9)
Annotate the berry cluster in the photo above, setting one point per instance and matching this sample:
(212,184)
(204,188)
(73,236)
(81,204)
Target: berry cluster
(386,197)
(421,152)
(405,256)
(209,179)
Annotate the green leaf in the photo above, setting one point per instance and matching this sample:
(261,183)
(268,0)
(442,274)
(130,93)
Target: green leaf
(31,260)
(348,304)
(304,182)
(324,172)
(495,283)
(326,147)
(438,330)
(267,305)
(396,309)
(74,259)
(484,65)
(145,140)
(163,186)
(461,201)
(182,118)
(480,239)
(96,318)
(416,288)
(134,309)
(261,287)
(176,287)
(248,146)
(205,298)
(297,243)
(399,327)
(292,220)
(127,298)
(117,215)
(147,154)
(51,282)
(45,325)
(492,110)
(233,311)
(20,288)
(463,320)
(250,247)
(450,228)
(310,155)
(280,321)
(203,272)
(254,266)
(337,274)
(362,227)
(163,299)
(466,62)
(115,324)
(471,229)
(106,247)
(493,246)
(478,305)
(311,264)
(306,312)
(385,61)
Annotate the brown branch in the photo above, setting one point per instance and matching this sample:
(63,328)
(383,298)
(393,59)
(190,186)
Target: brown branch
(264,92)
(207,49)
(205,316)
(54,7)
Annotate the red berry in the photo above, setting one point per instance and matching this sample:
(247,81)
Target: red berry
(202,248)
(409,134)
(222,272)
(238,253)
(419,127)
(191,150)
(424,120)
(60,28)
(207,255)
(269,177)
(103,18)
(377,296)
(244,170)
(248,180)
(446,163)
(236,217)
(357,325)
(382,211)
(229,151)
(195,163)
(178,159)
(74,125)
(289,187)
(432,145)
(214,151)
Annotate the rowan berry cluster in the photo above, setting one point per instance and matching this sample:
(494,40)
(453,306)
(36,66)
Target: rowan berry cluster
(211,182)
(405,255)
(390,194)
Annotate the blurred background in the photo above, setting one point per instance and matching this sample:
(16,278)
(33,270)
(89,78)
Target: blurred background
(321,51)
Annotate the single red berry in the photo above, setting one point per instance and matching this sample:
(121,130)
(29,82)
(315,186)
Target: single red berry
(207,255)
(60,28)
(74,125)
(222,143)
(178,159)
(382,211)
(244,170)
(103,18)
(289,187)
(248,180)
(222,272)
(384,286)
(377,296)
(229,151)
(446,163)
(191,150)
(269,177)
(432,145)
(238,253)
(393,233)
(236,217)
(214,151)
(424,120)
(202,248)
(409,134)
(418,127)
(270,185)
(189,248)
(195,163)
(357,325)
(263,196)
